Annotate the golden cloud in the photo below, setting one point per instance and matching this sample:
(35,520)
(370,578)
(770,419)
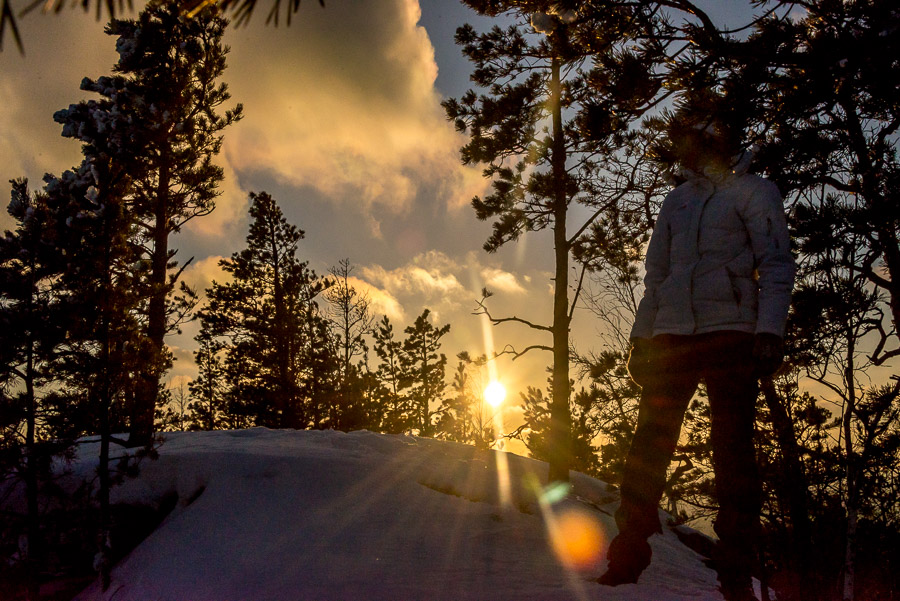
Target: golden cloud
(348,107)
(429,276)
(503,281)
(60,52)
(231,207)
(381,302)
(200,275)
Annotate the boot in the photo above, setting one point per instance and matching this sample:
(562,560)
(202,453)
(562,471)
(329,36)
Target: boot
(628,556)
(733,568)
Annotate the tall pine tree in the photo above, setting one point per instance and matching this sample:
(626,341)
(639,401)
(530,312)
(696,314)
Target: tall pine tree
(98,290)
(562,87)
(266,316)
(160,113)
(424,369)
(350,321)
(395,414)
(33,331)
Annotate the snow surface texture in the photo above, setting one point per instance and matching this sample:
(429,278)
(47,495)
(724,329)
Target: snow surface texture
(269,515)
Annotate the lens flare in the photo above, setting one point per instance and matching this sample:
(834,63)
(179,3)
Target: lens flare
(577,539)
(494,393)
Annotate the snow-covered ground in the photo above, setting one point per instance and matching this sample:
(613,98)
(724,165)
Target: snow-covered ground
(267,515)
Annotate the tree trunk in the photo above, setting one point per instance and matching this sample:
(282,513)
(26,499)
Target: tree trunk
(850,552)
(559,451)
(285,404)
(423,377)
(33,556)
(32,526)
(147,392)
(796,492)
(105,484)
(105,393)
(852,474)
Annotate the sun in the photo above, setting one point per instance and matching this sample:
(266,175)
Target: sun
(494,393)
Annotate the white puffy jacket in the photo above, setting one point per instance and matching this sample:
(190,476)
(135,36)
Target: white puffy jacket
(719,259)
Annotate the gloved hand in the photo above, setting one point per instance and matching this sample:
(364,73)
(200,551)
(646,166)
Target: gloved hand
(639,361)
(768,354)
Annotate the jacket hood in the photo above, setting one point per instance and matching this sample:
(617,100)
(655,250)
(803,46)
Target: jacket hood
(740,164)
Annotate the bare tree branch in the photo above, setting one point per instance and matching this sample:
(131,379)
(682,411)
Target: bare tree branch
(577,292)
(483,310)
(509,350)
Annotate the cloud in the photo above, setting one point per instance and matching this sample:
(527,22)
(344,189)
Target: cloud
(59,53)
(504,281)
(231,208)
(183,356)
(177,382)
(429,275)
(429,281)
(434,280)
(381,302)
(359,122)
(797,14)
(199,275)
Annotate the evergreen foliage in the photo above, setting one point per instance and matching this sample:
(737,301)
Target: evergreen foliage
(424,370)
(269,322)
(463,415)
(350,321)
(208,409)
(391,405)
(554,131)
(30,432)
(158,118)
(99,290)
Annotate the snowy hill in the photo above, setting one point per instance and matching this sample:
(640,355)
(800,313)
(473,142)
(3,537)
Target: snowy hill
(265,515)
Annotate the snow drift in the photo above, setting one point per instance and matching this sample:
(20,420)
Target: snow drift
(266,515)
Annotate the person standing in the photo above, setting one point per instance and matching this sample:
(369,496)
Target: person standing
(719,276)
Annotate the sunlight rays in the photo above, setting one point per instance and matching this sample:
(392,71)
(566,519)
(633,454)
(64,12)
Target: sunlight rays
(503,482)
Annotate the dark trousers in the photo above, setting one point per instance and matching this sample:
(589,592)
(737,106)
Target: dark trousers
(724,360)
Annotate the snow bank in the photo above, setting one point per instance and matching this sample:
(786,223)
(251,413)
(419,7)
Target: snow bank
(267,515)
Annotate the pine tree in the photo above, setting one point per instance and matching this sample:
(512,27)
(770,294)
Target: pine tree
(834,288)
(33,333)
(351,321)
(554,130)
(395,415)
(535,432)
(267,318)
(98,293)
(463,416)
(424,370)
(174,415)
(822,90)
(158,115)
(612,399)
(208,389)
(321,369)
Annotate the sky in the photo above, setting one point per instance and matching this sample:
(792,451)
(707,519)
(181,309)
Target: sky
(389,517)
(343,127)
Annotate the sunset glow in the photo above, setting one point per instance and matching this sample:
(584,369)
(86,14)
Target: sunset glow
(495,393)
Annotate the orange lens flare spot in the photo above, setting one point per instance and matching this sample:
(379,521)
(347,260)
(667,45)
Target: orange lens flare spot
(577,539)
